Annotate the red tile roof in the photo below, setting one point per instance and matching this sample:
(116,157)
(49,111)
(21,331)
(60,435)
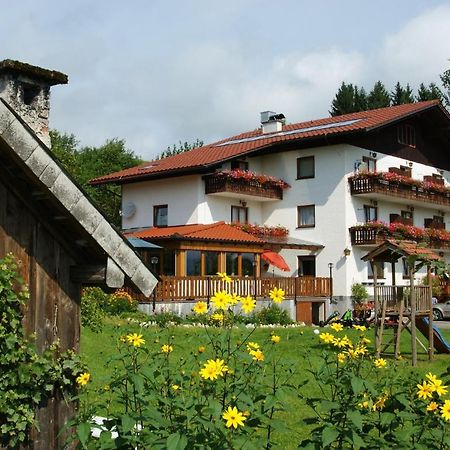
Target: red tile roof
(398,248)
(254,140)
(219,231)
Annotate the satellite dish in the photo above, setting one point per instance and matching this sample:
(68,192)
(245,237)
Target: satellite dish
(128,210)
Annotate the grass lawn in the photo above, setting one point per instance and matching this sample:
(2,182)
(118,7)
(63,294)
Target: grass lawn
(299,347)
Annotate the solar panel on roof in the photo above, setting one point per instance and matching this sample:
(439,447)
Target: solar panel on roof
(296,131)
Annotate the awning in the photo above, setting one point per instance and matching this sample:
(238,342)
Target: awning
(276,260)
(140,243)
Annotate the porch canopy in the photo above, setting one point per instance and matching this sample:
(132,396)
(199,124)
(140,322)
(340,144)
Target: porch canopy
(391,299)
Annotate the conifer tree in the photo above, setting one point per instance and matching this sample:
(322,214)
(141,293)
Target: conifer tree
(378,97)
(344,101)
(360,99)
(432,92)
(401,95)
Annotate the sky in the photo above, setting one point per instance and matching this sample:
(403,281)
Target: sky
(156,72)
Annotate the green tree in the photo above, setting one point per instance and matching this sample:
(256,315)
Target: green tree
(360,99)
(401,95)
(87,163)
(432,92)
(445,78)
(180,148)
(378,96)
(344,101)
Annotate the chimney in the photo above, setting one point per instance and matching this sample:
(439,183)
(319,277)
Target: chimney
(271,122)
(26,89)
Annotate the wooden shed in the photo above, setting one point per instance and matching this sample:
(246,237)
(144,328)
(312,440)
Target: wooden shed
(62,241)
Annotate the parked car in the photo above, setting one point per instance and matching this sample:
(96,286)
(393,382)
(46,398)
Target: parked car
(441,311)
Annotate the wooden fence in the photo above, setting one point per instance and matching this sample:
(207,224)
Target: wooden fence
(392,295)
(172,288)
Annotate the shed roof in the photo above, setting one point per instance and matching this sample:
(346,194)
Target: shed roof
(254,141)
(393,249)
(83,227)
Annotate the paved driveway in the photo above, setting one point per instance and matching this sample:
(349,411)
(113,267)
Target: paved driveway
(442,323)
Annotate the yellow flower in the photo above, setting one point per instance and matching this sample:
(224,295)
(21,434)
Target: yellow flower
(234,299)
(221,300)
(277,295)
(337,326)
(275,338)
(135,339)
(364,404)
(380,363)
(431,377)
(327,338)
(218,317)
(424,391)
(248,304)
(361,350)
(341,357)
(233,417)
(359,327)
(201,349)
(175,387)
(438,387)
(200,308)
(166,348)
(432,407)
(224,277)
(343,342)
(366,340)
(252,346)
(445,410)
(83,378)
(353,353)
(257,355)
(106,387)
(212,369)
(379,404)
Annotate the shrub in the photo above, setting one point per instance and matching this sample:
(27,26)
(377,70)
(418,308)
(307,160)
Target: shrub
(92,312)
(359,292)
(270,315)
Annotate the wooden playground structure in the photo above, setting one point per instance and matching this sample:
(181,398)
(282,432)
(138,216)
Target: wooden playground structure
(410,307)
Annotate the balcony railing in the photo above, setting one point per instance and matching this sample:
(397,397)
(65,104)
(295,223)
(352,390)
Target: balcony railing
(392,295)
(370,184)
(215,184)
(172,288)
(377,233)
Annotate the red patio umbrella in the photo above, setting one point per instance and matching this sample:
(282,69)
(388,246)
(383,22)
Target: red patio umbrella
(276,260)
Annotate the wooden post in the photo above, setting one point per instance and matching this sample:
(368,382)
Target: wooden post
(377,309)
(413,315)
(430,316)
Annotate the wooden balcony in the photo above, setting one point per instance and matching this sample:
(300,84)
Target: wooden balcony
(375,187)
(368,235)
(392,295)
(241,188)
(175,289)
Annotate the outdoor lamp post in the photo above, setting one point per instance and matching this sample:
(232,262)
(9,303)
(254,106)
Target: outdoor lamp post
(330,267)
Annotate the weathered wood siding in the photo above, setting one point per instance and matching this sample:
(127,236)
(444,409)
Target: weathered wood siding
(53,310)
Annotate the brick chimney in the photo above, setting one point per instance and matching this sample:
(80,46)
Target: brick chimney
(26,89)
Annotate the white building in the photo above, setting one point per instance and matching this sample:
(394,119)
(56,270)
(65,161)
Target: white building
(323,205)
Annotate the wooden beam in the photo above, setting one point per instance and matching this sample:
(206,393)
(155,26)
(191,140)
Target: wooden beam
(85,274)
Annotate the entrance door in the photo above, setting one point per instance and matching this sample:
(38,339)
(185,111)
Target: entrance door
(306,266)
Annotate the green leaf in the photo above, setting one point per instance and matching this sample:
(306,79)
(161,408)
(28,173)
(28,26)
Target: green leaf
(357,440)
(356,418)
(357,385)
(83,432)
(176,441)
(329,435)
(127,423)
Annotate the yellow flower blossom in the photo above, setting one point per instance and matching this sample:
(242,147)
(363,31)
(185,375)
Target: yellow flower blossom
(380,363)
(380,402)
(432,407)
(201,349)
(275,338)
(424,391)
(212,369)
(175,387)
(224,277)
(135,339)
(432,378)
(359,327)
(438,387)
(252,346)
(166,348)
(327,338)
(343,342)
(221,300)
(218,317)
(277,295)
(337,326)
(234,299)
(341,357)
(445,410)
(257,355)
(365,340)
(200,308)
(248,304)
(83,378)
(233,417)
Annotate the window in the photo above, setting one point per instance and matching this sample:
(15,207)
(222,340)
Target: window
(380,270)
(370,213)
(239,214)
(248,264)
(211,260)
(239,164)
(232,263)
(305,167)
(193,262)
(169,262)
(160,215)
(406,135)
(406,268)
(407,217)
(30,93)
(370,164)
(306,266)
(306,216)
